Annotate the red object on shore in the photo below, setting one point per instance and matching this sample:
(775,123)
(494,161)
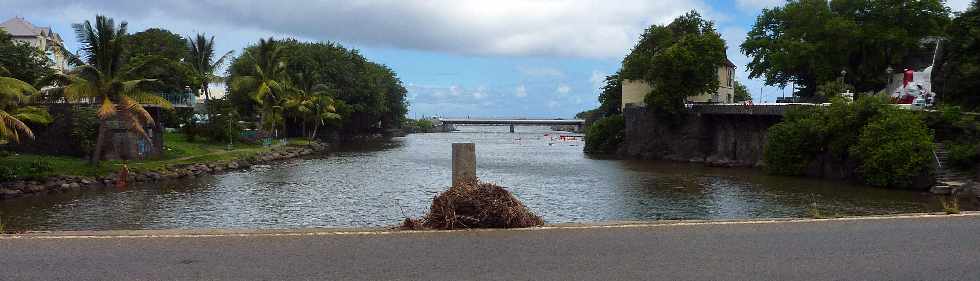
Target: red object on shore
(122,181)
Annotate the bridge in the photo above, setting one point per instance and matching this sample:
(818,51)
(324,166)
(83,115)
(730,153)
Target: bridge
(447,123)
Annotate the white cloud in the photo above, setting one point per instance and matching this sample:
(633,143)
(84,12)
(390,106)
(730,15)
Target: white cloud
(576,28)
(958,5)
(540,71)
(454,90)
(563,89)
(521,91)
(597,79)
(480,93)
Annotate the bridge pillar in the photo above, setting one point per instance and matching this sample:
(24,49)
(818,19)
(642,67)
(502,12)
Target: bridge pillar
(511,128)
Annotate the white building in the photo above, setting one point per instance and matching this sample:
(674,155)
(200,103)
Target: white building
(634,91)
(42,38)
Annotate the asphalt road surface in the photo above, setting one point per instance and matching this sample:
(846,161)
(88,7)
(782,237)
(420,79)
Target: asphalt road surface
(897,248)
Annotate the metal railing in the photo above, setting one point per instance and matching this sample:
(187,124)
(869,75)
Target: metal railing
(175,99)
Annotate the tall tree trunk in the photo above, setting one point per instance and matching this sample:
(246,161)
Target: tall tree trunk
(99,143)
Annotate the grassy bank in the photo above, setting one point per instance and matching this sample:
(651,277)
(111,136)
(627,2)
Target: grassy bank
(177,151)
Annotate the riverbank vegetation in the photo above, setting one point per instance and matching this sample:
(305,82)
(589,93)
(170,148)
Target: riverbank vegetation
(285,88)
(809,43)
(678,60)
(889,147)
(179,151)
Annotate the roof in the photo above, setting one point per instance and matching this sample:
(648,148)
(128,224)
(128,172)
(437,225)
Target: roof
(729,63)
(19,27)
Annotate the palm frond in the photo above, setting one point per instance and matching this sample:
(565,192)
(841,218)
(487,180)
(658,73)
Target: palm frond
(106,110)
(135,109)
(143,97)
(11,127)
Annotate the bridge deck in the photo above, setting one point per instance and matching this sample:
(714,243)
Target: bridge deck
(511,122)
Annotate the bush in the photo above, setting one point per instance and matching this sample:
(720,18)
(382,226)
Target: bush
(894,148)
(605,135)
(84,129)
(792,145)
(963,155)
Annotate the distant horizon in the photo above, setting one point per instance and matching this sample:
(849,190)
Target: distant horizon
(456,58)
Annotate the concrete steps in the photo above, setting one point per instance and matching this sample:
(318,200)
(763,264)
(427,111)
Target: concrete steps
(948,181)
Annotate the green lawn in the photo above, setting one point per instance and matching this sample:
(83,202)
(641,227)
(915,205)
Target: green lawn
(177,150)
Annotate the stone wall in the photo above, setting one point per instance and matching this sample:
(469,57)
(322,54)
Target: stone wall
(718,140)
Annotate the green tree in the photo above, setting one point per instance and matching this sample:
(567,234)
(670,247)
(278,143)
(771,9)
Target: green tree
(368,96)
(202,61)
(159,54)
(105,79)
(611,98)
(266,85)
(741,92)
(679,60)
(962,67)
(807,42)
(22,61)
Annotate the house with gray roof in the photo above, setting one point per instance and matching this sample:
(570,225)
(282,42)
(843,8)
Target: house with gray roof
(42,38)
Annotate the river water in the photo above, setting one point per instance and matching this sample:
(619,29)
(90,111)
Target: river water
(379,184)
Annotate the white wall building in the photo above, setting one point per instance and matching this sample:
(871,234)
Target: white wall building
(634,91)
(42,38)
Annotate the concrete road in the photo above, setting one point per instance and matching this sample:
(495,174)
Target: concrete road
(894,248)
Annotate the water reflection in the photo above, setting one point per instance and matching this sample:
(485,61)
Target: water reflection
(375,184)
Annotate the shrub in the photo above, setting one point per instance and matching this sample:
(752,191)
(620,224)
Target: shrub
(894,148)
(792,145)
(605,135)
(84,129)
(963,155)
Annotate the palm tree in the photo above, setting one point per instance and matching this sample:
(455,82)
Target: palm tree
(266,85)
(13,92)
(314,106)
(201,59)
(100,78)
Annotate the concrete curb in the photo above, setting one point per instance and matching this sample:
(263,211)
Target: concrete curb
(214,233)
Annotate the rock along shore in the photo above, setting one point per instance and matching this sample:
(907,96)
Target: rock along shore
(60,184)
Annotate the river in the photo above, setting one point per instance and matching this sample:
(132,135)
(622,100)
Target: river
(379,184)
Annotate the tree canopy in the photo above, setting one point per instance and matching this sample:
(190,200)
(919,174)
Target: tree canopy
(679,60)
(962,65)
(161,54)
(22,61)
(369,96)
(809,42)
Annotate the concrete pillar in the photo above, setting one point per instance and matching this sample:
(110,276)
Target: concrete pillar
(511,128)
(464,162)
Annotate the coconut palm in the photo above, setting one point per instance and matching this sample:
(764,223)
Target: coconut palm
(201,59)
(13,93)
(314,106)
(100,79)
(267,84)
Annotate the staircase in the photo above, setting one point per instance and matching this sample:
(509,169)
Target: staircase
(948,181)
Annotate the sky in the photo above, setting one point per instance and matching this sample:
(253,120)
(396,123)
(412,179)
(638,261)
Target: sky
(457,58)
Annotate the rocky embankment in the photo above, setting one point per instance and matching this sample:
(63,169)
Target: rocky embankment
(58,184)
